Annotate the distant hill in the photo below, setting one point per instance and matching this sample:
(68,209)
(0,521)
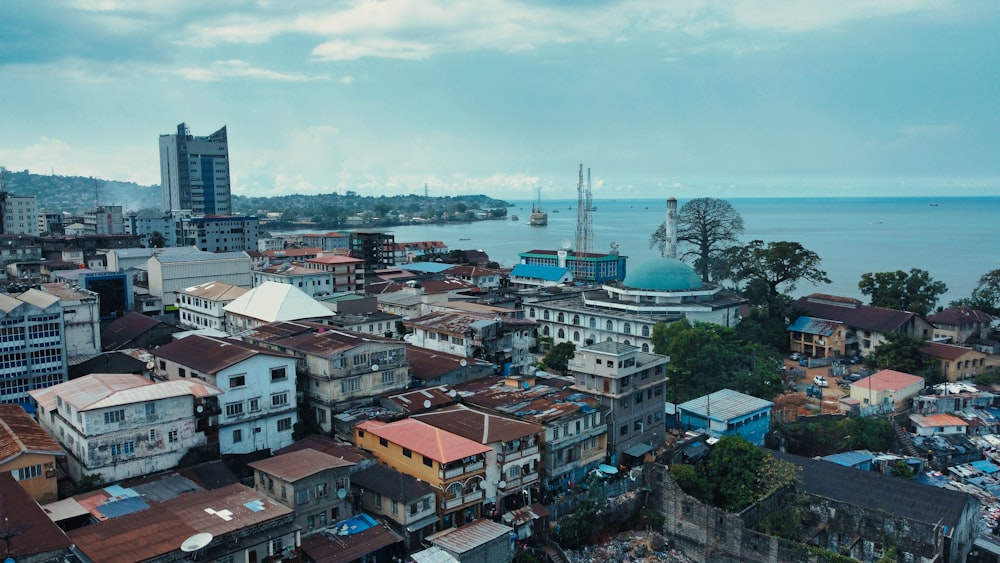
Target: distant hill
(75,194)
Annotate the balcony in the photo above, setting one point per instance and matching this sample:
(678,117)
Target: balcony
(467,498)
(462,470)
(512,455)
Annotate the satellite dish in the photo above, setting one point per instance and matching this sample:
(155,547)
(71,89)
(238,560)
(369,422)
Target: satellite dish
(463,363)
(566,244)
(196,542)
(374,367)
(503,484)
(452,393)
(150,365)
(427,404)
(341,493)
(200,408)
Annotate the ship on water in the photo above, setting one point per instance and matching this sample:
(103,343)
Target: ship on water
(539,218)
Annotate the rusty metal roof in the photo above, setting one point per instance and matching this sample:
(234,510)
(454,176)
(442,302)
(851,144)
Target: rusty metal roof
(481,426)
(293,466)
(20,434)
(211,355)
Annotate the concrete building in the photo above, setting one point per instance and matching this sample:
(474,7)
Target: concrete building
(658,290)
(118,426)
(50,222)
(376,248)
(81,318)
(407,252)
(404,502)
(631,385)
(887,388)
(148,221)
(513,466)
(504,341)
(272,302)
(482,541)
(132,259)
(32,344)
(327,242)
(313,484)
(18,215)
(340,370)
(587,267)
(954,362)
(454,466)
(348,273)
(194,172)
(485,279)
(959,325)
(169,273)
(727,412)
(203,305)
(257,407)
(219,233)
(312,282)
(532,276)
(104,220)
(29,453)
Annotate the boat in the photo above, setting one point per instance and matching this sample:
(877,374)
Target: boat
(539,218)
(513,218)
(933,205)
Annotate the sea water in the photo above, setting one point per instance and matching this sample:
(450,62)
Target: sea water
(955,239)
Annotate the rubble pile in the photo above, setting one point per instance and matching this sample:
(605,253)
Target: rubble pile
(629,547)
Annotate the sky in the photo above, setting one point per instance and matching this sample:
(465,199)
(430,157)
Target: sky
(690,98)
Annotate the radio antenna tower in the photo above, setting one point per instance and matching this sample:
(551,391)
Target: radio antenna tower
(584,225)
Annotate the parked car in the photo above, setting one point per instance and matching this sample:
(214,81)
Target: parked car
(820,381)
(852,377)
(796,356)
(855,360)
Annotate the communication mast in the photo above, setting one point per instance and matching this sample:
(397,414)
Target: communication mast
(584,225)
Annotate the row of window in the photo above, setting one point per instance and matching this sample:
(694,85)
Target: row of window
(587,423)
(282,425)
(277,374)
(252,405)
(609,325)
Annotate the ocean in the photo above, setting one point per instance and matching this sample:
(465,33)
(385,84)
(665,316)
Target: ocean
(955,239)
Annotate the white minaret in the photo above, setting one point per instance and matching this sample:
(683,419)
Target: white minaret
(670,245)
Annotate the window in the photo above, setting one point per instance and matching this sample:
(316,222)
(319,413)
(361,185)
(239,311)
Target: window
(627,328)
(383,442)
(111,417)
(302,497)
(350,385)
(182,372)
(561,334)
(395,507)
(414,508)
(25,473)
(237,381)
(172,436)
(234,409)
(237,435)
(388,378)
(407,452)
(576,336)
(623,431)
(609,325)
(278,374)
(378,500)
(321,490)
(277,546)
(576,319)
(150,410)
(284,424)
(116,450)
(279,399)
(561,317)
(545,315)
(428,462)
(152,434)
(645,331)
(254,404)
(593,322)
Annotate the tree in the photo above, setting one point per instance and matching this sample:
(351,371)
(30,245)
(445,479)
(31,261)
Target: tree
(559,356)
(986,295)
(914,291)
(709,226)
(768,269)
(156,240)
(901,352)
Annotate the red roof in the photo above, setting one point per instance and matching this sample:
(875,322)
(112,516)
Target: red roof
(957,316)
(299,464)
(335,259)
(424,439)
(946,351)
(888,380)
(20,434)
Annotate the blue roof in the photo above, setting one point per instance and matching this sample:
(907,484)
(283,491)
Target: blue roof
(535,271)
(985,465)
(122,507)
(850,459)
(819,327)
(428,267)
(663,274)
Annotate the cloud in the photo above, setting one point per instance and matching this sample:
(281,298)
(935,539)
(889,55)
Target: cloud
(241,69)
(55,156)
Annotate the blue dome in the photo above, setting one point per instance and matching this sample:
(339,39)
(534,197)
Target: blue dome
(663,274)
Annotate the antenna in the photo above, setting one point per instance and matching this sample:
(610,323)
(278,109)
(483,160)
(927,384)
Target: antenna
(584,225)
(196,542)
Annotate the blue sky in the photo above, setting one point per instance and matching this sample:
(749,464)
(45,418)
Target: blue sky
(689,98)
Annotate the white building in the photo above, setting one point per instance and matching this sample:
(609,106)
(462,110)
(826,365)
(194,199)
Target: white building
(32,344)
(499,340)
(104,220)
(128,259)
(257,406)
(122,425)
(148,221)
(81,317)
(201,306)
(19,214)
(348,273)
(169,273)
(220,233)
(269,303)
(314,283)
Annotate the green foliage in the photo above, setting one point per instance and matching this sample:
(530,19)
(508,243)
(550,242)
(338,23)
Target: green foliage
(156,240)
(989,377)
(735,475)
(913,291)
(706,227)
(902,470)
(559,356)
(786,518)
(769,271)
(900,352)
(583,525)
(89,482)
(706,357)
(986,295)
(770,332)
(825,436)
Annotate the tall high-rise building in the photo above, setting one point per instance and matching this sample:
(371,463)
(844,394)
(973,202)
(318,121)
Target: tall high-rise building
(194,172)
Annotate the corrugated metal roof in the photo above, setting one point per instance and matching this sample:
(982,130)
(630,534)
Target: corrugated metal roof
(214,291)
(811,325)
(538,272)
(851,459)
(299,464)
(888,380)
(205,354)
(725,404)
(38,298)
(483,427)
(102,390)
(440,445)
(200,256)
(20,434)
(470,536)
(272,301)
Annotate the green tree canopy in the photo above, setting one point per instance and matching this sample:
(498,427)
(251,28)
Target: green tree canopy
(157,240)
(559,356)
(986,295)
(768,271)
(913,291)
(901,352)
(707,227)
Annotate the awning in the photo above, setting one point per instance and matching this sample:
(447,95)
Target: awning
(639,450)
(422,523)
(608,469)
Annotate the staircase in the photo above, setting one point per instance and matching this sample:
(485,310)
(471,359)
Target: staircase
(904,439)
(555,554)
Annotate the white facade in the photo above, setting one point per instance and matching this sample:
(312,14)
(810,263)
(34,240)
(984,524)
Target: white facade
(104,220)
(220,233)
(81,317)
(148,221)
(314,283)
(121,425)
(201,306)
(20,215)
(257,406)
(32,344)
(169,273)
